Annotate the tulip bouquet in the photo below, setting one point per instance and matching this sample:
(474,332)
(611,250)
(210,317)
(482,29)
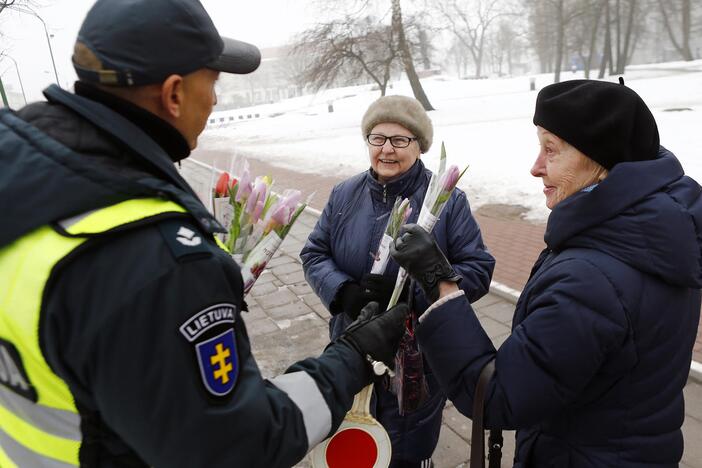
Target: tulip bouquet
(409,383)
(440,188)
(257,219)
(401,211)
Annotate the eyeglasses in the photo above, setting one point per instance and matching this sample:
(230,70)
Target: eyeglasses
(397,141)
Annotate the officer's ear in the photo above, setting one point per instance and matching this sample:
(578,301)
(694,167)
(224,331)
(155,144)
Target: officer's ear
(172,96)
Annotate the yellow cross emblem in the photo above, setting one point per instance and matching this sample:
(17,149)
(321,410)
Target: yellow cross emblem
(220,359)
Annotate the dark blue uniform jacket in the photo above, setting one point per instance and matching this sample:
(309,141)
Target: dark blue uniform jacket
(593,372)
(113,309)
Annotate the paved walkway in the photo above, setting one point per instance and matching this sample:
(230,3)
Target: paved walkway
(287,321)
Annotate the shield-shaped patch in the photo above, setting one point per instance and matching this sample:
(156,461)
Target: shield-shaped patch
(219,363)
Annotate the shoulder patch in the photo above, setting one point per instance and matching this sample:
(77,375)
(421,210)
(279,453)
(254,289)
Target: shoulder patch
(211,332)
(183,239)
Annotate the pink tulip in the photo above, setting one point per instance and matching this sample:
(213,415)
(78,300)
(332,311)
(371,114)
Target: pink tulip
(280,215)
(245,185)
(449,179)
(258,209)
(258,194)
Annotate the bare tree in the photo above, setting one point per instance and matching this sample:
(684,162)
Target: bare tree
(682,9)
(346,49)
(469,21)
(541,32)
(14,4)
(406,56)
(584,33)
(503,45)
(6,4)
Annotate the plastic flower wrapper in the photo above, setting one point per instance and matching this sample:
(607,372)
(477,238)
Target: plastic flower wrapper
(257,218)
(409,383)
(276,225)
(220,205)
(438,193)
(399,215)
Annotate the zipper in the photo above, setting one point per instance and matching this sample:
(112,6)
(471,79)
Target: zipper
(385,193)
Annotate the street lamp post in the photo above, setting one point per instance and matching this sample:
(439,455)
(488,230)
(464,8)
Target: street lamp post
(26,9)
(24,96)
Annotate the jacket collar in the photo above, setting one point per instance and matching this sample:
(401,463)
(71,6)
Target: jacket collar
(626,184)
(144,147)
(163,133)
(404,185)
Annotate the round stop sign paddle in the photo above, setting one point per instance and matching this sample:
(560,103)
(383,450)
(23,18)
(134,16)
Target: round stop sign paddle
(360,441)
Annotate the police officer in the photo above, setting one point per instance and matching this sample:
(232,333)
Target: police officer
(122,336)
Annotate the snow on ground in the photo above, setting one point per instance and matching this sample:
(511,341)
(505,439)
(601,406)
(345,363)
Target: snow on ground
(484,123)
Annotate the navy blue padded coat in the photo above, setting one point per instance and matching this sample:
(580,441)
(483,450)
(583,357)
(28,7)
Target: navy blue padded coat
(347,235)
(593,372)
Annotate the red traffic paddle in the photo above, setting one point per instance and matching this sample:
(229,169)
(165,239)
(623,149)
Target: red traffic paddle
(360,441)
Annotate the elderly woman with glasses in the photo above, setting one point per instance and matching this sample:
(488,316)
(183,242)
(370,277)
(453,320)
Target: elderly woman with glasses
(340,250)
(602,336)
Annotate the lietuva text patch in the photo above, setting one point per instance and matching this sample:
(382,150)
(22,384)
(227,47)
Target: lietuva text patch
(211,331)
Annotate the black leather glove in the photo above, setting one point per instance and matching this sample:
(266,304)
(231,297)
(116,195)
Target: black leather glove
(352,297)
(378,288)
(350,300)
(416,251)
(376,333)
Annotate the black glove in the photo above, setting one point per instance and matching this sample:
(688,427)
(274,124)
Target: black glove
(352,297)
(377,288)
(416,251)
(377,334)
(349,300)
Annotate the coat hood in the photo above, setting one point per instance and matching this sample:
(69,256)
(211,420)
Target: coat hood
(647,214)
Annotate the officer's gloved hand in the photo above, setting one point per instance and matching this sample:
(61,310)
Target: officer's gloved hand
(416,251)
(376,334)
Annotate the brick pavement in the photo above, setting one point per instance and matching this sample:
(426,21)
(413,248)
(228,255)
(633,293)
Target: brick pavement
(287,322)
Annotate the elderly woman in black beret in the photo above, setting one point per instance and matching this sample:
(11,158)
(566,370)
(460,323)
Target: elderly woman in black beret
(602,336)
(340,251)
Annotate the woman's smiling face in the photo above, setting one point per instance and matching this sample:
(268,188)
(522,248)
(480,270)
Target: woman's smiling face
(390,162)
(563,169)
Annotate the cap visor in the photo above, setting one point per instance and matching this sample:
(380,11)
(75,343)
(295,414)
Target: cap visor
(237,57)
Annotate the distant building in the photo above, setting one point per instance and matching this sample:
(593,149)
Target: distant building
(273,81)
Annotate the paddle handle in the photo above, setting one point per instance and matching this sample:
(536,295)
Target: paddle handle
(361,402)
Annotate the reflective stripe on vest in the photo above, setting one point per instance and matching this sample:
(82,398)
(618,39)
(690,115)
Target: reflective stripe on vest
(45,432)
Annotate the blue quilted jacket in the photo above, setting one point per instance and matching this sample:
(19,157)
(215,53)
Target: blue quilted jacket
(593,372)
(348,233)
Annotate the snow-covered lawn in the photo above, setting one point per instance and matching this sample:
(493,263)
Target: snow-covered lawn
(485,124)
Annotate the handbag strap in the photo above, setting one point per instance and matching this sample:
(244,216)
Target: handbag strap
(477,440)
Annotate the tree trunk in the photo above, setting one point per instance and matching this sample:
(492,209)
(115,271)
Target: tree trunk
(683,48)
(593,39)
(607,48)
(416,85)
(424,47)
(623,58)
(479,58)
(560,39)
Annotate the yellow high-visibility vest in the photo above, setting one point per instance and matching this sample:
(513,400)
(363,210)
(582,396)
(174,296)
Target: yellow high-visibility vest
(39,422)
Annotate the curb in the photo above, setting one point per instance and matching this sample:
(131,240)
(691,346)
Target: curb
(503,291)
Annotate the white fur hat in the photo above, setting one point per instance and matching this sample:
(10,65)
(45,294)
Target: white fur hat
(402,110)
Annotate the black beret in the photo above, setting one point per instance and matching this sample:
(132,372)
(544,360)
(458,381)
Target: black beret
(608,122)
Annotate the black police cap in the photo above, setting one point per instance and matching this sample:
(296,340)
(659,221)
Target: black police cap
(138,42)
